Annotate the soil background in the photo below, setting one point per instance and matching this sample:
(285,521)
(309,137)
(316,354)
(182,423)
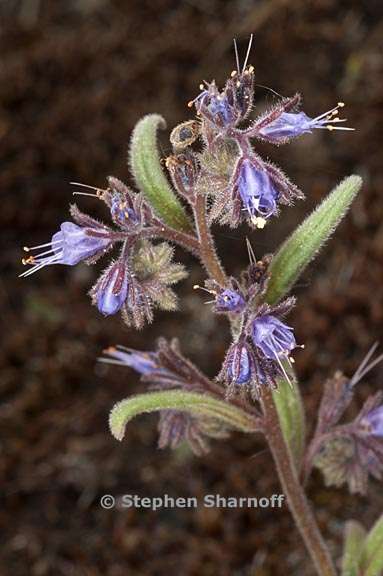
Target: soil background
(75,76)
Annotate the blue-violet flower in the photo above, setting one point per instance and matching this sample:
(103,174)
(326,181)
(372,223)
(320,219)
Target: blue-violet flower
(69,246)
(272,337)
(258,195)
(289,124)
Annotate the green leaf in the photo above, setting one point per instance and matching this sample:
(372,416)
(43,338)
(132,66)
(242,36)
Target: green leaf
(150,178)
(372,559)
(303,244)
(289,405)
(354,538)
(198,404)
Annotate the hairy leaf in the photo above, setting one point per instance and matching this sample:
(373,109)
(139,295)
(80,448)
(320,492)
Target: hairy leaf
(291,414)
(194,403)
(354,536)
(147,171)
(372,560)
(304,243)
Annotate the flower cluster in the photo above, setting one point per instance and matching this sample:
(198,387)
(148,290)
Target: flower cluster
(218,177)
(348,453)
(143,272)
(262,343)
(241,185)
(166,369)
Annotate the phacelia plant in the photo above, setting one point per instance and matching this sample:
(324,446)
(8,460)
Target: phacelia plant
(215,176)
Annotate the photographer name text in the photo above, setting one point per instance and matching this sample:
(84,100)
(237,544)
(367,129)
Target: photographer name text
(124,501)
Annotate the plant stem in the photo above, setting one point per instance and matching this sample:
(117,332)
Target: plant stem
(208,253)
(293,490)
(183,239)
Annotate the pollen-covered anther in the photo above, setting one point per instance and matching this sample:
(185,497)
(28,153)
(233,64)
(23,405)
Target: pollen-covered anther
(29,260)
(259,222)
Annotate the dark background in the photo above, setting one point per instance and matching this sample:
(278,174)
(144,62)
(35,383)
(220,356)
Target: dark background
(75,76)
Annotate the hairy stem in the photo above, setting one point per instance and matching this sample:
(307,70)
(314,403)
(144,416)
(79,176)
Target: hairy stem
(208,253)
(187,241)
(293,490)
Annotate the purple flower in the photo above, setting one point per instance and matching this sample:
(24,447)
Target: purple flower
(215,106)
(239,364)
(258,195)
(69,246)
(111,290)
(141,362)
(272,337)
(122,213)
(219,107)
(289,124)
(230,301)
(373,422)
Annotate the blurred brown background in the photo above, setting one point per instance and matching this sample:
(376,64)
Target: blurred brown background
(74,78)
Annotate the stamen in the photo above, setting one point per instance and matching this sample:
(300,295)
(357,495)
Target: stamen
(250,252)
(335,109)
(197,287)
(283,370)
(366,359)
(364,367)
(248,52)
(111,361)
(337,128)
(118,347)
(38,264)
(86,194)
(32,270)
(192,102)
(236,57)
(29,248)
(44,253)
(99,191)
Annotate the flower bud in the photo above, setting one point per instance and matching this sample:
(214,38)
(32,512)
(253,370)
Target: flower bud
(183,170)
(111,290)
(184,134)
(239,364)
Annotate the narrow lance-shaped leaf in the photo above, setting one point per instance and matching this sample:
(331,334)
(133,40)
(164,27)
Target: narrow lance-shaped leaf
(354,536)
(291,414)
(147,171)
(303,244)
(197,404)
(372,559)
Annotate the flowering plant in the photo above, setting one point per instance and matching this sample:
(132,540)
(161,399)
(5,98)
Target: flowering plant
(217,178)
